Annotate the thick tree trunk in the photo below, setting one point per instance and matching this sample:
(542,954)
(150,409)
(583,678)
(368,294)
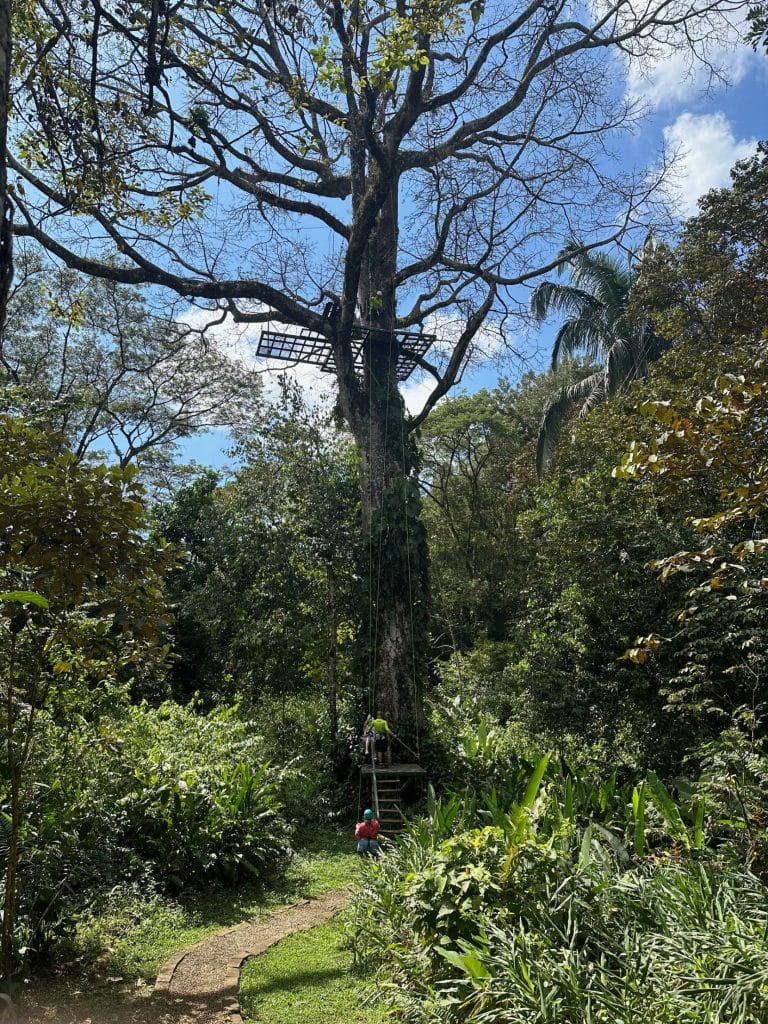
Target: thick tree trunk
(7,944)
(7,938)
(396,549)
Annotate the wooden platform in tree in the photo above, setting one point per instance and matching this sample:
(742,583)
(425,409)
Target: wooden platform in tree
(402,770)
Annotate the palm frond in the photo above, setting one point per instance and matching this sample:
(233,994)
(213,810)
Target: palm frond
(593,393)
(605,279)
(558,412)
(621,366)
(555,415)
(595,302)
(569,255)
(551,297)
(5,838)
(589,334)
(582,395)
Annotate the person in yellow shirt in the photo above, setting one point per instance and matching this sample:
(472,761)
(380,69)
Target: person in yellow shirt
(377,730)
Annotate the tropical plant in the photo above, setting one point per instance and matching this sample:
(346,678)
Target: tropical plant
(709,446)
(576,900)
(161,799)
(597,325)
(82,608)
(471,448)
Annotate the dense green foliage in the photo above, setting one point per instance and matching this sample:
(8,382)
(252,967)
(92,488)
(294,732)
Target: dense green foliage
(567,901)
(636,645)
(165,797)
(264,599)
(582,552)
(81,612)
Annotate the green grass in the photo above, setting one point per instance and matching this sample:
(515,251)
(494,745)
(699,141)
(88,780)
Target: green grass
(308,977)
(143,931)
(326,861)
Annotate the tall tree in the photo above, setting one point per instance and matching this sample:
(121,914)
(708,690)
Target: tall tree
(437,148)
(596,324)
(712,286)
(472,500)
(267,589)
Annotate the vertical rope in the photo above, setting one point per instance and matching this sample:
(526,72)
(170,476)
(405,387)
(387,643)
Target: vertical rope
(410,587)
(371,643)
(375,785)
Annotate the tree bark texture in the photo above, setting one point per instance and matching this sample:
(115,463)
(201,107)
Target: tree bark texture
(7,944)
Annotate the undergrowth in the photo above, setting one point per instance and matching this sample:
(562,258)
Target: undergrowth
(124,945)
(567,901)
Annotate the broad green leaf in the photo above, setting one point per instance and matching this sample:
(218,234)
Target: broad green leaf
(534,784)
(25,597)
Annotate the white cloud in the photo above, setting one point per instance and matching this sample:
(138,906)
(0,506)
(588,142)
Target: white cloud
(707,150)
(674,76)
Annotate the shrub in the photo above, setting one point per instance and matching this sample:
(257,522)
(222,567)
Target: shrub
(166,795)
(581,902)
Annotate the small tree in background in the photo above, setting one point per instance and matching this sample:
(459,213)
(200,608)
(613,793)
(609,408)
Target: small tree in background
(81,606)
(120,380)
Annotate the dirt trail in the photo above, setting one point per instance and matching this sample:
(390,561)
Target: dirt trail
(198,986)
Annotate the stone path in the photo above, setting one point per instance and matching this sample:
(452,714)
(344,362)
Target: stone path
(199,986)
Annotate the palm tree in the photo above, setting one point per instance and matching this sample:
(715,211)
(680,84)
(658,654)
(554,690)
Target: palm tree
(595,301)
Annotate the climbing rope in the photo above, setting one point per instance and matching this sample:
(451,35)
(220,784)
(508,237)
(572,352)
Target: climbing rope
(410,584)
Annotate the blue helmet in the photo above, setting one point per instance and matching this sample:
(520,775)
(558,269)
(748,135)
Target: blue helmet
(368,814)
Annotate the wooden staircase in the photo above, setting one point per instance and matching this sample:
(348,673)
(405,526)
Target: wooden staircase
(390,795)
(390,780)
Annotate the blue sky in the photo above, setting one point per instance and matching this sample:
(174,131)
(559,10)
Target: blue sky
(709,125)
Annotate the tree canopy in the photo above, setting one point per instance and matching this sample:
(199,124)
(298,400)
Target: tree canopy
(353,169)
(116,377)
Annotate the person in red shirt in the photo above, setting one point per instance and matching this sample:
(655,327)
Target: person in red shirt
(367,835)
